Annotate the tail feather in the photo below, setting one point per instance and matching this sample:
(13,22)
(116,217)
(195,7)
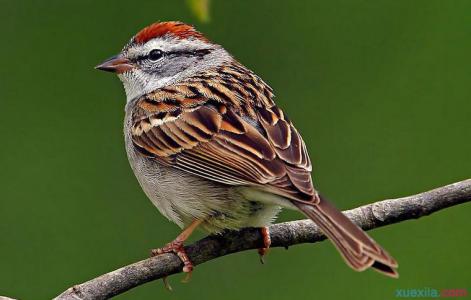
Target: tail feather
(356,247)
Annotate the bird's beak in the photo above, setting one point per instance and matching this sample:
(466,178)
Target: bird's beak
(116,64)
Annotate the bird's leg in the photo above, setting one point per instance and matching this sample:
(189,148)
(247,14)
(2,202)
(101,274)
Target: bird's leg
(266,243)
(176,246)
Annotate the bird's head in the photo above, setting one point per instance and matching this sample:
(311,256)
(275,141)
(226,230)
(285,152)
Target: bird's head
(162,54)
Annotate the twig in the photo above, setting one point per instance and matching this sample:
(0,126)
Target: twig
(370,216)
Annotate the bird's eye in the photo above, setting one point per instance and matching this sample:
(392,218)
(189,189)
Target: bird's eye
(156,54)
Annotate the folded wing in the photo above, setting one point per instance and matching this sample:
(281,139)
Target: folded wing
(223,143)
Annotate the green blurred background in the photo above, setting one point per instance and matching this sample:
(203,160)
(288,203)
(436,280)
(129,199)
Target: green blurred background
(380,91)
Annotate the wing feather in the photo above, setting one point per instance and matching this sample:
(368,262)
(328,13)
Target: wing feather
(223,142)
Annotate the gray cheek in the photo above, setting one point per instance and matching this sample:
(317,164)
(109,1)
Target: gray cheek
(171,66)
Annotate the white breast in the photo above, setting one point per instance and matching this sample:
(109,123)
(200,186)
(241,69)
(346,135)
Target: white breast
(179,196)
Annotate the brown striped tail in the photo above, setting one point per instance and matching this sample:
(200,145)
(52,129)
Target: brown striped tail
(356,247)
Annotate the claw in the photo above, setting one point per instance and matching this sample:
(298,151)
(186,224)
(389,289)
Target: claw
(176,247)
(266,243)
(187,277)
(167,285)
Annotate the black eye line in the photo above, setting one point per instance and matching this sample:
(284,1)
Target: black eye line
(200,53)
(146,56)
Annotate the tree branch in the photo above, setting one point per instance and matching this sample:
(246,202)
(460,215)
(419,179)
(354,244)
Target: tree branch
(369,216)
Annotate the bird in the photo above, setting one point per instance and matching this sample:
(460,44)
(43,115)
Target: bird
(212,150)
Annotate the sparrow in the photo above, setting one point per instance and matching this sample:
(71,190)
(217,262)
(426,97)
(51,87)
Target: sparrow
(212,150)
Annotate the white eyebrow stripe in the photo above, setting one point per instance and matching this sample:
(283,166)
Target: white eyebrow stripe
(168,44)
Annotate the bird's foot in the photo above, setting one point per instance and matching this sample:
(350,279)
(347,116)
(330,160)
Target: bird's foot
(266,243)
(177,247)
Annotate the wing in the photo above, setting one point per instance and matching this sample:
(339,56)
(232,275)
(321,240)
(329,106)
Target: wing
(191,128)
